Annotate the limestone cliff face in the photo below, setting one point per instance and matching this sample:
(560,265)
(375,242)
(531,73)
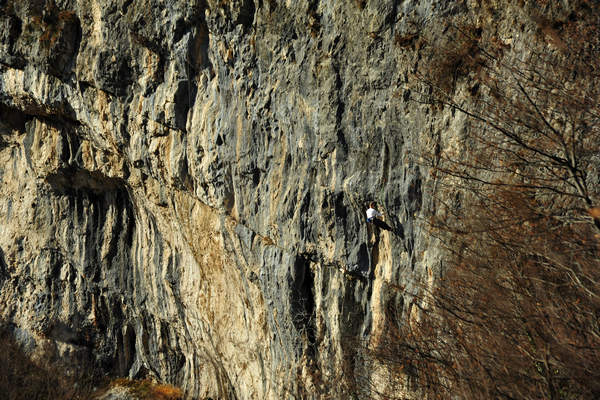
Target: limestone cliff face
(184,185)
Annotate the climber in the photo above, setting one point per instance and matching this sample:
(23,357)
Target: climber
(372,215)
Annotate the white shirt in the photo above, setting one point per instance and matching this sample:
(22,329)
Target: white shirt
(372,213)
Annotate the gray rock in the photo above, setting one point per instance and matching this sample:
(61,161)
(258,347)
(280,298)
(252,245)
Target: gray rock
(184,184)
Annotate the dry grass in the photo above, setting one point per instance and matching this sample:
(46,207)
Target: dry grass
(148,390)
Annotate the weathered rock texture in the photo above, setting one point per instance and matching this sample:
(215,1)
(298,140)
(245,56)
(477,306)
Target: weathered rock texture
(184,182)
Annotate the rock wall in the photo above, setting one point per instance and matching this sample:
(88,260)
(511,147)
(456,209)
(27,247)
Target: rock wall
(184,185)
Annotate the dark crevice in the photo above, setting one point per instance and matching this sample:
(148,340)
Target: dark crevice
(305,207)
(256,176)
(302,301)
(14,28)
(126,350)
(386,165)
(184,98)
(70,180)
(415,196)
(246,16)
(102,313)
(121,206)
(12,118)
(180,30)
(3,268)
(113,72)
(130,231)
(55,114)
(341,212)
(125,6)
(392,17)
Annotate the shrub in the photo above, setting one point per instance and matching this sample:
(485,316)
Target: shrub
(149,390)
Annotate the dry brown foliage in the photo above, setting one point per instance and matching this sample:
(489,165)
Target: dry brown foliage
(519,305)
(516,314)
(149,390)
(454,54)
(23,379)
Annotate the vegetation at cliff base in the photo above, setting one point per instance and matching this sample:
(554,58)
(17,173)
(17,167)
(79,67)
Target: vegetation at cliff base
(149,390)
(21,378)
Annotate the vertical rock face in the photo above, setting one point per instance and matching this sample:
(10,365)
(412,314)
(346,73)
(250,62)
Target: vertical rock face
(184,185)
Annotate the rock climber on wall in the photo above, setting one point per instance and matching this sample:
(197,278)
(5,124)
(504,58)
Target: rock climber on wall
(372,217)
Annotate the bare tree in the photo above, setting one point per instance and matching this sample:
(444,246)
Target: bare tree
(516,314)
